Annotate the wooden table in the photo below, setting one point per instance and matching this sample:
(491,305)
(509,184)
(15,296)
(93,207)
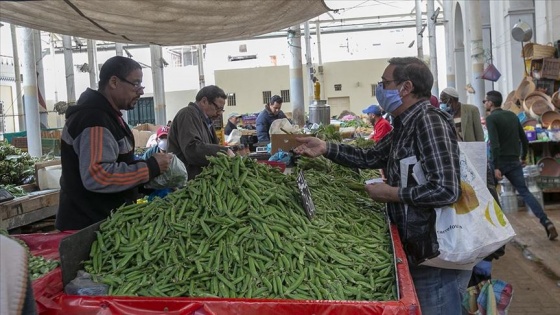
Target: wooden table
(35,206)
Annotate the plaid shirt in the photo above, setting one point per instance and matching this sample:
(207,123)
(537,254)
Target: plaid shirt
(422,131)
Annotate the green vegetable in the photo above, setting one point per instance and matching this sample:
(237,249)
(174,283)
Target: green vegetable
(246,235)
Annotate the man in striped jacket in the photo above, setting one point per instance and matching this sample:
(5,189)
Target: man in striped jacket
(99,172)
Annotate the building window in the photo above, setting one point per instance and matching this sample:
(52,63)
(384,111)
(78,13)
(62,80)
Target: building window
(373,86)
(266,96)
(285,94)
(338,87)
(231,100)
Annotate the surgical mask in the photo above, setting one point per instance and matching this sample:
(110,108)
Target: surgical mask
(162,144)
(389,100)
(444,107)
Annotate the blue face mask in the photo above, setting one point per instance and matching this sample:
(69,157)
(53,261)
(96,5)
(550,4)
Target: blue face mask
(444,107)
(389,100)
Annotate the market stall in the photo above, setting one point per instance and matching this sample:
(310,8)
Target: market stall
(31,187)
(218,246)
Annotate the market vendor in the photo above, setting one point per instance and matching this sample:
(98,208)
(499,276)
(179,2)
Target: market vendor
(381,126)
(271,112)
(99,172)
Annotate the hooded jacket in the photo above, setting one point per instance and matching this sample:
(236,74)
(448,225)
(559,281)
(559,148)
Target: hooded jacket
(99,172)
(264,120)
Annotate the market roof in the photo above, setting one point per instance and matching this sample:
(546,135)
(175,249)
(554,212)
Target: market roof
(162,22)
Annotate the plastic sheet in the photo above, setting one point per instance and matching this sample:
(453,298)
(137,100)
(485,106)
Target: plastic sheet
(46,288)
(112,305)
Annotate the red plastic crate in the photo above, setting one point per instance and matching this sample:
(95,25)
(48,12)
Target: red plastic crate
(407,304)
(46,288)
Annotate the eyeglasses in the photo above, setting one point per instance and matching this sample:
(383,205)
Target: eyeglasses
(218,108)
(137,86)
(385,82)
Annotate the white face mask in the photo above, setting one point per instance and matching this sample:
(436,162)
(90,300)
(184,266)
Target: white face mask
(162,144)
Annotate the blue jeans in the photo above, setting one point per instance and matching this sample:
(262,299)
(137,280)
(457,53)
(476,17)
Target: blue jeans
(513,171)
(440,291)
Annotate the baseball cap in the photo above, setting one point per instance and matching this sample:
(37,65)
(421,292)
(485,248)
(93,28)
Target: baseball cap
(162,131)
(233,115)
(372,109)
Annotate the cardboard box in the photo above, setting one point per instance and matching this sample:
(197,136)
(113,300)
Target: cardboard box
(141,137)
(147,127)
(286,142)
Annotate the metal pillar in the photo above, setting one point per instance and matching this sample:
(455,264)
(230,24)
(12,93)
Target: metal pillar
(32,120)
(92,62)
(449,55)
(159,92)
(201,80)
(320,58)
(69,70)
(433,47)
(118,49)
(419,30)
(477,54)
(44,114)
(296,76)
(308,62)
(119,52)
(18,96)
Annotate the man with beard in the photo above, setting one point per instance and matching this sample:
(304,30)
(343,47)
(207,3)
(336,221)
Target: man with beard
(192,136)
(381,126)
(99,172)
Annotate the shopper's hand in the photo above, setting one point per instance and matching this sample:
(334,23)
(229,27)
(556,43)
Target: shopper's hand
(498,174)
(483,268)
(311,146)
(163,160)
(382,192)
(230,153)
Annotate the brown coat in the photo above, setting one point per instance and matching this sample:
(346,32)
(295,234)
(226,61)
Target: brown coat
(192,140)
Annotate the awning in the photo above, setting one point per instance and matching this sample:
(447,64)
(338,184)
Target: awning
(162,22)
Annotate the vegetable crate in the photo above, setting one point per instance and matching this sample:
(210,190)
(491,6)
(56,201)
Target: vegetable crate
(47,287)
(78,246)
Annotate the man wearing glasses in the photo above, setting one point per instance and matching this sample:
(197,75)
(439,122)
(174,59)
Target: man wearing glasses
(424,134)
(99,172)
(192,136)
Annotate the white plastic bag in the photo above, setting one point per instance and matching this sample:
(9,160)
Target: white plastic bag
(473,227)
(234,138)
(175,176)
(282,126)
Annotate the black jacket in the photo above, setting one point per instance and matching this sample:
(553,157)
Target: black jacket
(99,172)
(229,128)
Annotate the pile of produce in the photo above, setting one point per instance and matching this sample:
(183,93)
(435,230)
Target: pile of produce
(15,165)
(16,191)
(239,231)
(38,265)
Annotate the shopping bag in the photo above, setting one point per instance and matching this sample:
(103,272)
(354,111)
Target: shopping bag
(490,297)
(175,176)
(473,227)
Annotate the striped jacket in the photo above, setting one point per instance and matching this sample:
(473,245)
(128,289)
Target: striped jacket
(99,172)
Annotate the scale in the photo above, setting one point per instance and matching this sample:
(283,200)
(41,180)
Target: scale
(261,149)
